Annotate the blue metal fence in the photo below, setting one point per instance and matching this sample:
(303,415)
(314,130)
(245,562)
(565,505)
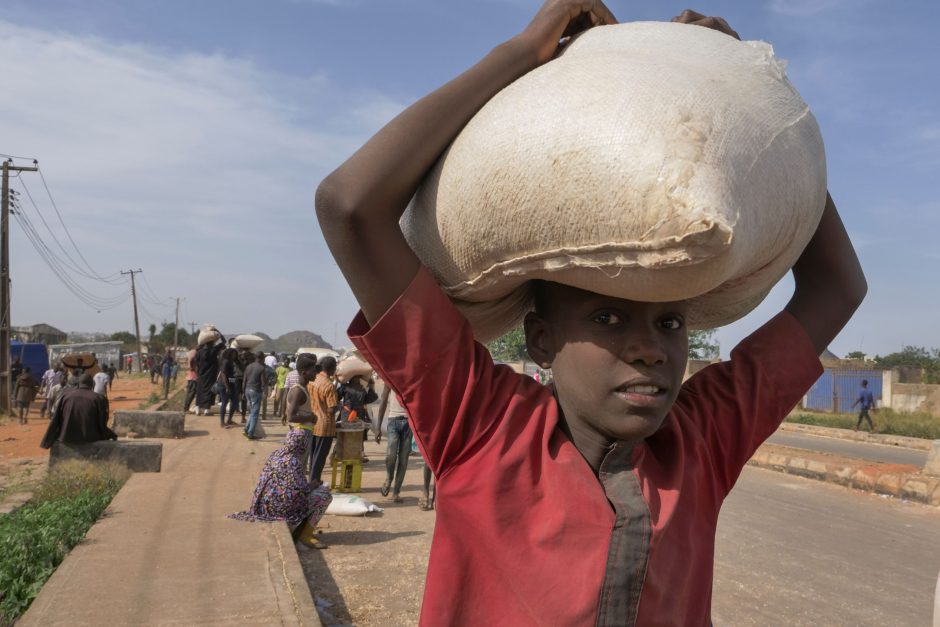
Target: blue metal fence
(838,388)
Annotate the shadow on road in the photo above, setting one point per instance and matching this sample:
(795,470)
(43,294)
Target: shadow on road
(331,606)
(358,538)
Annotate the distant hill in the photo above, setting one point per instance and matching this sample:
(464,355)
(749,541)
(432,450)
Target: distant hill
(290,342)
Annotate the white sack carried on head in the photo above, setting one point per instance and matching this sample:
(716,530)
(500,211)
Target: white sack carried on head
(352,365)
(246,341)
(208,334)
(650,161)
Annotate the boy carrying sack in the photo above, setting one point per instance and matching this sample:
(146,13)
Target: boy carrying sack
(595,501)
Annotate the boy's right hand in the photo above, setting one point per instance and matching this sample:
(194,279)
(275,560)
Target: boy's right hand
(713,22)
(559,20)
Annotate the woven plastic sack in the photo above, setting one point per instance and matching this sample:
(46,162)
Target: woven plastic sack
(208,334)
(351,505)
(351,366)
(247,341)
(650,161)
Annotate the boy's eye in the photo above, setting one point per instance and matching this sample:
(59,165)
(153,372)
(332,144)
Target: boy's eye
(607,318)
(673,324)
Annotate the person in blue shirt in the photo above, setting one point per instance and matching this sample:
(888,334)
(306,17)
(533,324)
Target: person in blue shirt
(865,401)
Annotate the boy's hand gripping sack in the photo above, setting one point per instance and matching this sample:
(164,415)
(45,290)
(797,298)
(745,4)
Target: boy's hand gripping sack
(650,161)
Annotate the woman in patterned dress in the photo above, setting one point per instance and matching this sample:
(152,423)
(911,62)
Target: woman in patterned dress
(283,493)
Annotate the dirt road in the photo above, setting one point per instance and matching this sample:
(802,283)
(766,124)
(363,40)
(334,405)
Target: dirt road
(19,441)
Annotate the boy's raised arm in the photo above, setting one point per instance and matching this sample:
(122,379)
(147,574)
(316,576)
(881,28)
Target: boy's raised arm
(830,284)
(360,203)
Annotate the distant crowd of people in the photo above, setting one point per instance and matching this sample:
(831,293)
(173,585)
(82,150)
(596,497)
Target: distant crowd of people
(54,382)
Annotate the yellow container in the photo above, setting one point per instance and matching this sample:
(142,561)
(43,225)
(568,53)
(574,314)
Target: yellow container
(350,475)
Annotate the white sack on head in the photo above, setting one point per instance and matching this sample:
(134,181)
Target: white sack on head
(352,365)
(247,341)
(650,161)
(208,334)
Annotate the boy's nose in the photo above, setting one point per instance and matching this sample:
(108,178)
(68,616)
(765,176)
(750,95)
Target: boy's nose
(643,349)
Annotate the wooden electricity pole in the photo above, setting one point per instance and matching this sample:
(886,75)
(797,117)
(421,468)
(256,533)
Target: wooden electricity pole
(176,328)
(140,356)
(6,385)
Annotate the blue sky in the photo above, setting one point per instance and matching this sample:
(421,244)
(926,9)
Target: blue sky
(187,138)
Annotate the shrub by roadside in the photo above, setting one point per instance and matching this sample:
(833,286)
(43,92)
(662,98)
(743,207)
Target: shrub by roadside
(888,422)
(36,538)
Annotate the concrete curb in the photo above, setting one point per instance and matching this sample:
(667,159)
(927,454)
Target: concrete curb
(296,600)
(859,436)
(889,479)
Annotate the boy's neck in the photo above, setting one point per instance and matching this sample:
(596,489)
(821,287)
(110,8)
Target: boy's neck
(592,446)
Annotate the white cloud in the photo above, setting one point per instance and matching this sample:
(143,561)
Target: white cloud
(930,133)
(182,163)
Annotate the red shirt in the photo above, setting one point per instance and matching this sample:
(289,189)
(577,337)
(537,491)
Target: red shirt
(526,534)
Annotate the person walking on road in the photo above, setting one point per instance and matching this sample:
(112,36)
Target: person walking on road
(24,392)
(191,376)
(228,387)
(866,402)
(101,380)
(399,443)
(166,371)
(207,367)
(256,378)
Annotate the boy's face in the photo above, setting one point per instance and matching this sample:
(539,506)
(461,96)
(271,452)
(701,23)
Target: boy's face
(617,364)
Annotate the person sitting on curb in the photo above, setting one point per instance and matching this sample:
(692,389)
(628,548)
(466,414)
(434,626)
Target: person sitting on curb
(283,493)
(81,417)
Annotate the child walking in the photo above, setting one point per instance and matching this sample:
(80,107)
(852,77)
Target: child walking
(594,501)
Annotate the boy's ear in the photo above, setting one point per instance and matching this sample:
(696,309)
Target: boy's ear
(538,339)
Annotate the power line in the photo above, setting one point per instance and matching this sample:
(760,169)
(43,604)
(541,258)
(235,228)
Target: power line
(59,270)
(74,264)
(62,222)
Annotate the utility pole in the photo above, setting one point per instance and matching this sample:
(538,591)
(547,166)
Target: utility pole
(140,357)
(192,327)
(6,386)
(176,328)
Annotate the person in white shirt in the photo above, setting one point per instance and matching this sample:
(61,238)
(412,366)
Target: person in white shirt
(101,380)
(271,361)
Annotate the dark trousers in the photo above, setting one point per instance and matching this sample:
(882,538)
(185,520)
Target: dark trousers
(320,450)
(190,394)
(863,414)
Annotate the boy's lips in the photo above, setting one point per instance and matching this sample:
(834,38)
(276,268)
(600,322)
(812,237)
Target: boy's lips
(643,393)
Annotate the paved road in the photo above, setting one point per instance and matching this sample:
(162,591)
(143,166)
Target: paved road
(793,551)
(850,448)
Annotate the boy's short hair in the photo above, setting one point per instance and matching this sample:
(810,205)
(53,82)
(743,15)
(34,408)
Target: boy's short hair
(540,299)
(305,362)
(328,363)
(864,383)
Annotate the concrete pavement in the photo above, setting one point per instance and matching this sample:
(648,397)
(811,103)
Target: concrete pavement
(165,553)
(858,449)
(898,480)
(791,551)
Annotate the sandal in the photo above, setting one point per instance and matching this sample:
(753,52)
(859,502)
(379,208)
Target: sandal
(385,488)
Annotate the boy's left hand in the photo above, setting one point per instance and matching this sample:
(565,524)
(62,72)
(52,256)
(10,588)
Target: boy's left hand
(713,22)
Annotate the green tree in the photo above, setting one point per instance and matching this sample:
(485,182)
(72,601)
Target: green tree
(124,336)
(857,355)
(509,347)
(703,345)
(165,336)
(914,357)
